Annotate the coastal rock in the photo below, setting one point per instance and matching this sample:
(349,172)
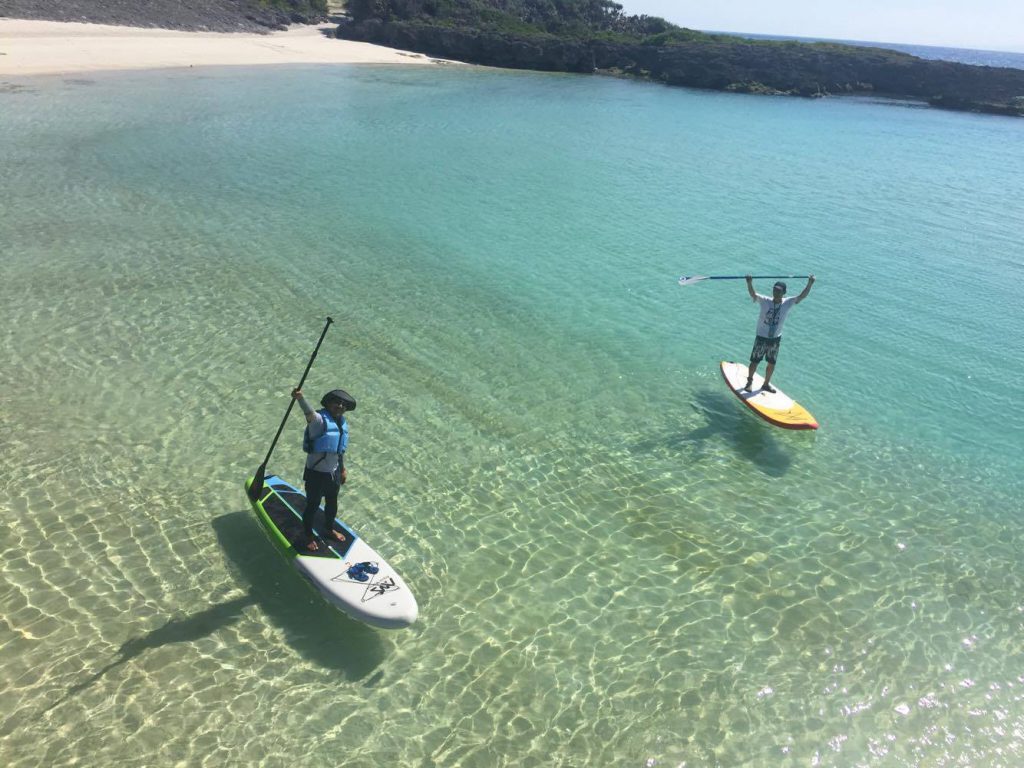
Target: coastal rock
(719,63)
(543,52)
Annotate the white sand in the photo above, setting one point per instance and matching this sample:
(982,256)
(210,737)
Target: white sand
(51,48)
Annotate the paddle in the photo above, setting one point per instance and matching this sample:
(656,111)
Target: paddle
(684,280)
(257,482)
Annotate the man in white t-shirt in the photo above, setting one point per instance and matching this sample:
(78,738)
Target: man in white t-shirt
(774,310)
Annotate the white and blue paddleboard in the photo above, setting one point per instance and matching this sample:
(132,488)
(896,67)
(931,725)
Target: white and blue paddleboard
(350,574)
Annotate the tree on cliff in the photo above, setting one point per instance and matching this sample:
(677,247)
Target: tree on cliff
(564,18)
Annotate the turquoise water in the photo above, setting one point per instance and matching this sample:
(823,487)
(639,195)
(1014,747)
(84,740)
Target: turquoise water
(616,565)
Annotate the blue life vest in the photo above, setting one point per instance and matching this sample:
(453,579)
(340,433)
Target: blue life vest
(333,440)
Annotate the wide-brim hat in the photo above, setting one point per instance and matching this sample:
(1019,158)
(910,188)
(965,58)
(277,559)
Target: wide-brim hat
(339,396)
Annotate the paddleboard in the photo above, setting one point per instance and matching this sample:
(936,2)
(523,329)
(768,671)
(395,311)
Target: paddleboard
(776,408)
(350,574)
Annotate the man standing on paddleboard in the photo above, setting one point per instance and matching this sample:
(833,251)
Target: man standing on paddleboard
(774,310)
(324,441)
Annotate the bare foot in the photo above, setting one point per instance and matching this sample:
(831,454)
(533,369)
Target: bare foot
(312,546)
(333,534)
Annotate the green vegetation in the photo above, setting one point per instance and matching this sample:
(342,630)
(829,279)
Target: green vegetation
(580,20)
(572,19)
(298,7)
(596,36)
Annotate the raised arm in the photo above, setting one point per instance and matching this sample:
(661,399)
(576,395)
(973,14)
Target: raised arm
(806,290)
(750,287)
(306,410)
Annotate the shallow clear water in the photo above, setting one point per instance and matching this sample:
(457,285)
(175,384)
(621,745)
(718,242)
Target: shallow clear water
(615,563)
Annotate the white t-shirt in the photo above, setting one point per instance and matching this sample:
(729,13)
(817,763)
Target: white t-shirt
(769,324)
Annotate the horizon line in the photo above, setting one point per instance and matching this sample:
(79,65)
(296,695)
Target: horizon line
(815,38)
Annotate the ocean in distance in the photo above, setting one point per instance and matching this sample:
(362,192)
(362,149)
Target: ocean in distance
(616,564)
(978,57)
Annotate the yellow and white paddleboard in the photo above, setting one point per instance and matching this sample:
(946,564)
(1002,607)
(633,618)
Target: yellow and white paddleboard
(774,407)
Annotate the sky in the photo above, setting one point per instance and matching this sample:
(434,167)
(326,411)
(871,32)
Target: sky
(986,24)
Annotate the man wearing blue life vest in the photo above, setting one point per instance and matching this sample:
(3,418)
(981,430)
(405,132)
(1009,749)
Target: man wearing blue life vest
(774,310)
(324,441)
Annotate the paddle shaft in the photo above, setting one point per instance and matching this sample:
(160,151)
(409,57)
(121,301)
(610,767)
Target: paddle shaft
(257,483)
(755,277)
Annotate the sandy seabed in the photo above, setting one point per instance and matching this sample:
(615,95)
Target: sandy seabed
(53,48)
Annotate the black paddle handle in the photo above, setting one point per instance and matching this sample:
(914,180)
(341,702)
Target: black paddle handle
(280,429)
(312,357)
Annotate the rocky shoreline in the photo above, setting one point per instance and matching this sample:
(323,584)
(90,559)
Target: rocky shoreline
(184,15)
(705,61)
(719,63)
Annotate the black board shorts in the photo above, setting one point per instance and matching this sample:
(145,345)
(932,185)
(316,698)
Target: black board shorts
(765,348)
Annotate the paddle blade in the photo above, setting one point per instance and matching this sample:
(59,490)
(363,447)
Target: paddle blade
(256,487)
(684,280)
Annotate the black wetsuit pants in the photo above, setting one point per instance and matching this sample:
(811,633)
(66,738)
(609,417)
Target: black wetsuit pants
(320,485)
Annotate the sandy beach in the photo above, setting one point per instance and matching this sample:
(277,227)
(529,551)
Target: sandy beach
(53,48)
